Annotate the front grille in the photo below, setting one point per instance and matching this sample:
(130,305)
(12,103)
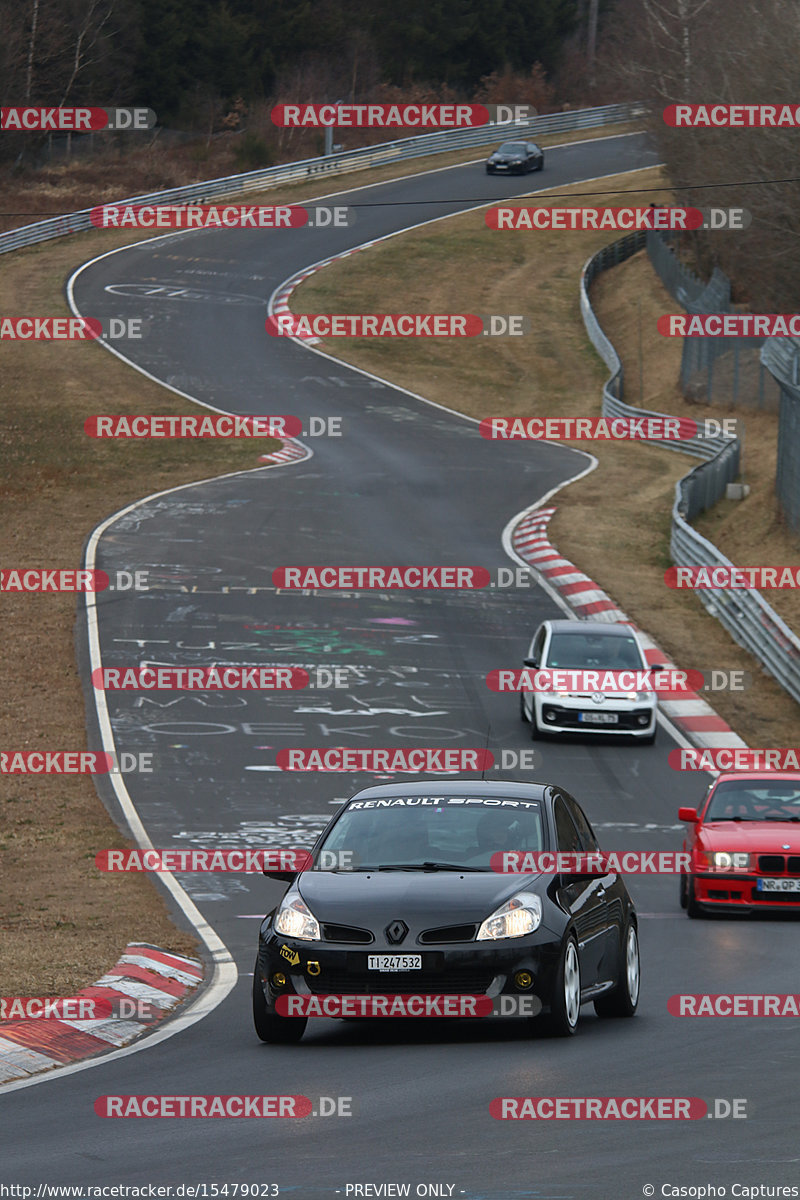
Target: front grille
(357,983)
(771,864)
(448,933)
(346,933)
(776,897)
(568,718)
(793,864)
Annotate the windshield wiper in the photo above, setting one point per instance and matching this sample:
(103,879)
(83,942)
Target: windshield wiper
(763,820)
(429,866)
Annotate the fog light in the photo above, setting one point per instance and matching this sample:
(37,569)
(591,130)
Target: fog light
(313,968)
(644,719)
(523,980)
(278,980)
(550,716)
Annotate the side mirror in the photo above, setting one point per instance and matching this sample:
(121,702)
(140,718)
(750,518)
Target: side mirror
(529,662)
(658,667)
(281,876)
(285,865)
(688,815)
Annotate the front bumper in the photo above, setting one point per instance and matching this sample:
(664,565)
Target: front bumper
(569,715)
(476,969)
(510,168)
(716,890)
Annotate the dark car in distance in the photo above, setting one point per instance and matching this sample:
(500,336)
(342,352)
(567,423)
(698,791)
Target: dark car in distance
(419,909)
(515,158)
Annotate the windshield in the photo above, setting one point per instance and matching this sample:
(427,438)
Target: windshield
(577,650)
(512,148)
(755,800)
(460,831)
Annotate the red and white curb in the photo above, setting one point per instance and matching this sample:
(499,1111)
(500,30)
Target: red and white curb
(144,973)
(290,451)
(696,719)
(279,305)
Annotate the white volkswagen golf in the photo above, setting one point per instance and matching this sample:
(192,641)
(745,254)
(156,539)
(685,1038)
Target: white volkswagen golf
(590,647)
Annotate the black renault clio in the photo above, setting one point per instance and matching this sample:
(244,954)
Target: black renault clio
(402,898)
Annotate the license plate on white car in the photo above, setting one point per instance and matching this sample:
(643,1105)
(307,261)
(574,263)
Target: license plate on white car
(778,885)
(597,718)
(394,962)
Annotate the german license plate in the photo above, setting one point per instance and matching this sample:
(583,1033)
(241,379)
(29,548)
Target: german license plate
(598,718)
(394,962)
(778,885)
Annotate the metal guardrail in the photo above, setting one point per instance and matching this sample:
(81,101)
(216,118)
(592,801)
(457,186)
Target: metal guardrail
(743,612)
(334,164)
(613,404)
(781,357)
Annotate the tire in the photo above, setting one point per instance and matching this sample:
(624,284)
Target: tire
(622,1001)
(565,1003)
(536,732)
(684,898)
(278,1031)
(541,164)
(650,739)
(523,716)
(693,909)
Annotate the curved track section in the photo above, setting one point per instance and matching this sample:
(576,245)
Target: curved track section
(408,483)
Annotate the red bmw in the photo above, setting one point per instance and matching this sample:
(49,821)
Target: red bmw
(745,844)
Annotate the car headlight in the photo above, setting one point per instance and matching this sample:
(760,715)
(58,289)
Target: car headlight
(730,860)
(295,919)
(520,915)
